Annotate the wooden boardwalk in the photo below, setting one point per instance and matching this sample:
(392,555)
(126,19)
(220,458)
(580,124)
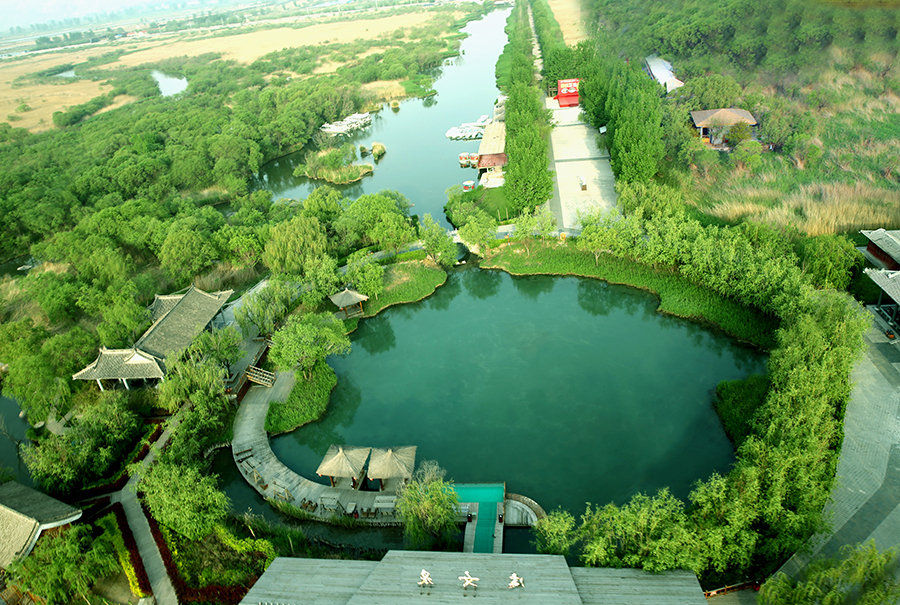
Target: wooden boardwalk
(275,481)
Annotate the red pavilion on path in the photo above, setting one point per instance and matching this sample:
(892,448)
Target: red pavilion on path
(568,92)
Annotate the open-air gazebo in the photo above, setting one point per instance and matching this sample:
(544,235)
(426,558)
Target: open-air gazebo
(392,462)
(344,461)
(347,298)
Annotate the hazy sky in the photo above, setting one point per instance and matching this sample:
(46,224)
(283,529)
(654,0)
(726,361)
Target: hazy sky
(26,12)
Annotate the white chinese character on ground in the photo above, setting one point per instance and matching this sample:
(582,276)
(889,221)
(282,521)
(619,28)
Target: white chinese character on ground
(425,578)
(468,580)
(515,581)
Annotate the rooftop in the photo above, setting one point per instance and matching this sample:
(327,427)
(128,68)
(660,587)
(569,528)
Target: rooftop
(177,319)
(722,117)
(24,512)
(889,281)
(395,580)
(888,241)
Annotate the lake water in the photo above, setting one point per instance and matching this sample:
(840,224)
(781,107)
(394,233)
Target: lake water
(169,85)
(420,161)
(16,427)
(568,390)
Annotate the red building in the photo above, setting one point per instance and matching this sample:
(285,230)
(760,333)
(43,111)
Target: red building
(568,92)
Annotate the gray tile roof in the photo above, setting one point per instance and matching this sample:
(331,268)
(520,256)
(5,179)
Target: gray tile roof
(888,241)
(18,533)
(889,281)
(394,580)
(722,117)
(177,319)
(113,364)
(23,513)
(176,329)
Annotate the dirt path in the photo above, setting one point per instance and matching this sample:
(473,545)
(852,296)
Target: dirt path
(571,20)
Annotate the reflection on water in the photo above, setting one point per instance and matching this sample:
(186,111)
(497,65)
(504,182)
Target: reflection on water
(569,390)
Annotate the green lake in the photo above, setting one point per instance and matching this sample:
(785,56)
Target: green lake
(569,390)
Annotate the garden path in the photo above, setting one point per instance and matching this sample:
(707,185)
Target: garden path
(866,497)
(163,590)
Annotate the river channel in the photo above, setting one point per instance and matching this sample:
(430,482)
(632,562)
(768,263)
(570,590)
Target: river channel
(420,161)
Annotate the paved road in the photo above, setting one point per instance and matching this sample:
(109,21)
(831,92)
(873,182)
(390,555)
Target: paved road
(577,159)
(866,498)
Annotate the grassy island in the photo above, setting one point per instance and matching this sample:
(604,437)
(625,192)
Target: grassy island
(334,165)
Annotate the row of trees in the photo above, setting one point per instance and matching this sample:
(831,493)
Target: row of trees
(773,499)
(528,180)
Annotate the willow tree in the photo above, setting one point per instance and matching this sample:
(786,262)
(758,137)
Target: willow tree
(428,506)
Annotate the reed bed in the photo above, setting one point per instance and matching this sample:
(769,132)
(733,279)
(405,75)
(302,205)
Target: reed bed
(821,208)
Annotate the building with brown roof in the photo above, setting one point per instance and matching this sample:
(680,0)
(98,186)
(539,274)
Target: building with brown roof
(177,320)
(24,514)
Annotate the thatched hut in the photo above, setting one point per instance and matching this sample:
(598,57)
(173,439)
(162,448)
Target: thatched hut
(392,462)
(344,461)
(347,298)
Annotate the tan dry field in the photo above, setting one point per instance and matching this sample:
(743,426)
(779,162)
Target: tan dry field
(44,99)
(568,15)
(246,48)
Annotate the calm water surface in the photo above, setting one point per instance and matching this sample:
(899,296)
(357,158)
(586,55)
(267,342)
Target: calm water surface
(420,161)
(169,85)
(568,390)
(9,415)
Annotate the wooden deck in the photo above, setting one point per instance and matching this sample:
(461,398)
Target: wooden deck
(274,481)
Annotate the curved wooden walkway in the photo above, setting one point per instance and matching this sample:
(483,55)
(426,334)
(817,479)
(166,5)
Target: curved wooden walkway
(269,476)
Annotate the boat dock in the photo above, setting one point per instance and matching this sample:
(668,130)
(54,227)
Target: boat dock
(469,131)
(349,124)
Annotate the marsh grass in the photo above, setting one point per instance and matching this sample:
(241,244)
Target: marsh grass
(820,208)
(405,282)
(226,277)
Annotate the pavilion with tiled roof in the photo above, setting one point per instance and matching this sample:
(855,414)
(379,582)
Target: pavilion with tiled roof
(177,320)
(884,245)
(24,514)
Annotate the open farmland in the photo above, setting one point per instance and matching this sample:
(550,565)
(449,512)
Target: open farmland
(44,99)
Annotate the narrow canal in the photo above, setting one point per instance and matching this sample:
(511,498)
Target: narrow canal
(420,161)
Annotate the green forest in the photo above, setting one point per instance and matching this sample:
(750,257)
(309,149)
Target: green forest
(120,205)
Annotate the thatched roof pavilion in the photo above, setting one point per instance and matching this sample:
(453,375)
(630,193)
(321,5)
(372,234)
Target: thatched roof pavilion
(392,462)
(344,461)
(347,298)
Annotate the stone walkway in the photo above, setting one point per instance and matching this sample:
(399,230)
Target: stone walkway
(163,590)
(577,159)
(866,498)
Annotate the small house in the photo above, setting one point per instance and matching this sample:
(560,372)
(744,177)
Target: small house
(884,246)
(714,124)
(24,514)
(176,320)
